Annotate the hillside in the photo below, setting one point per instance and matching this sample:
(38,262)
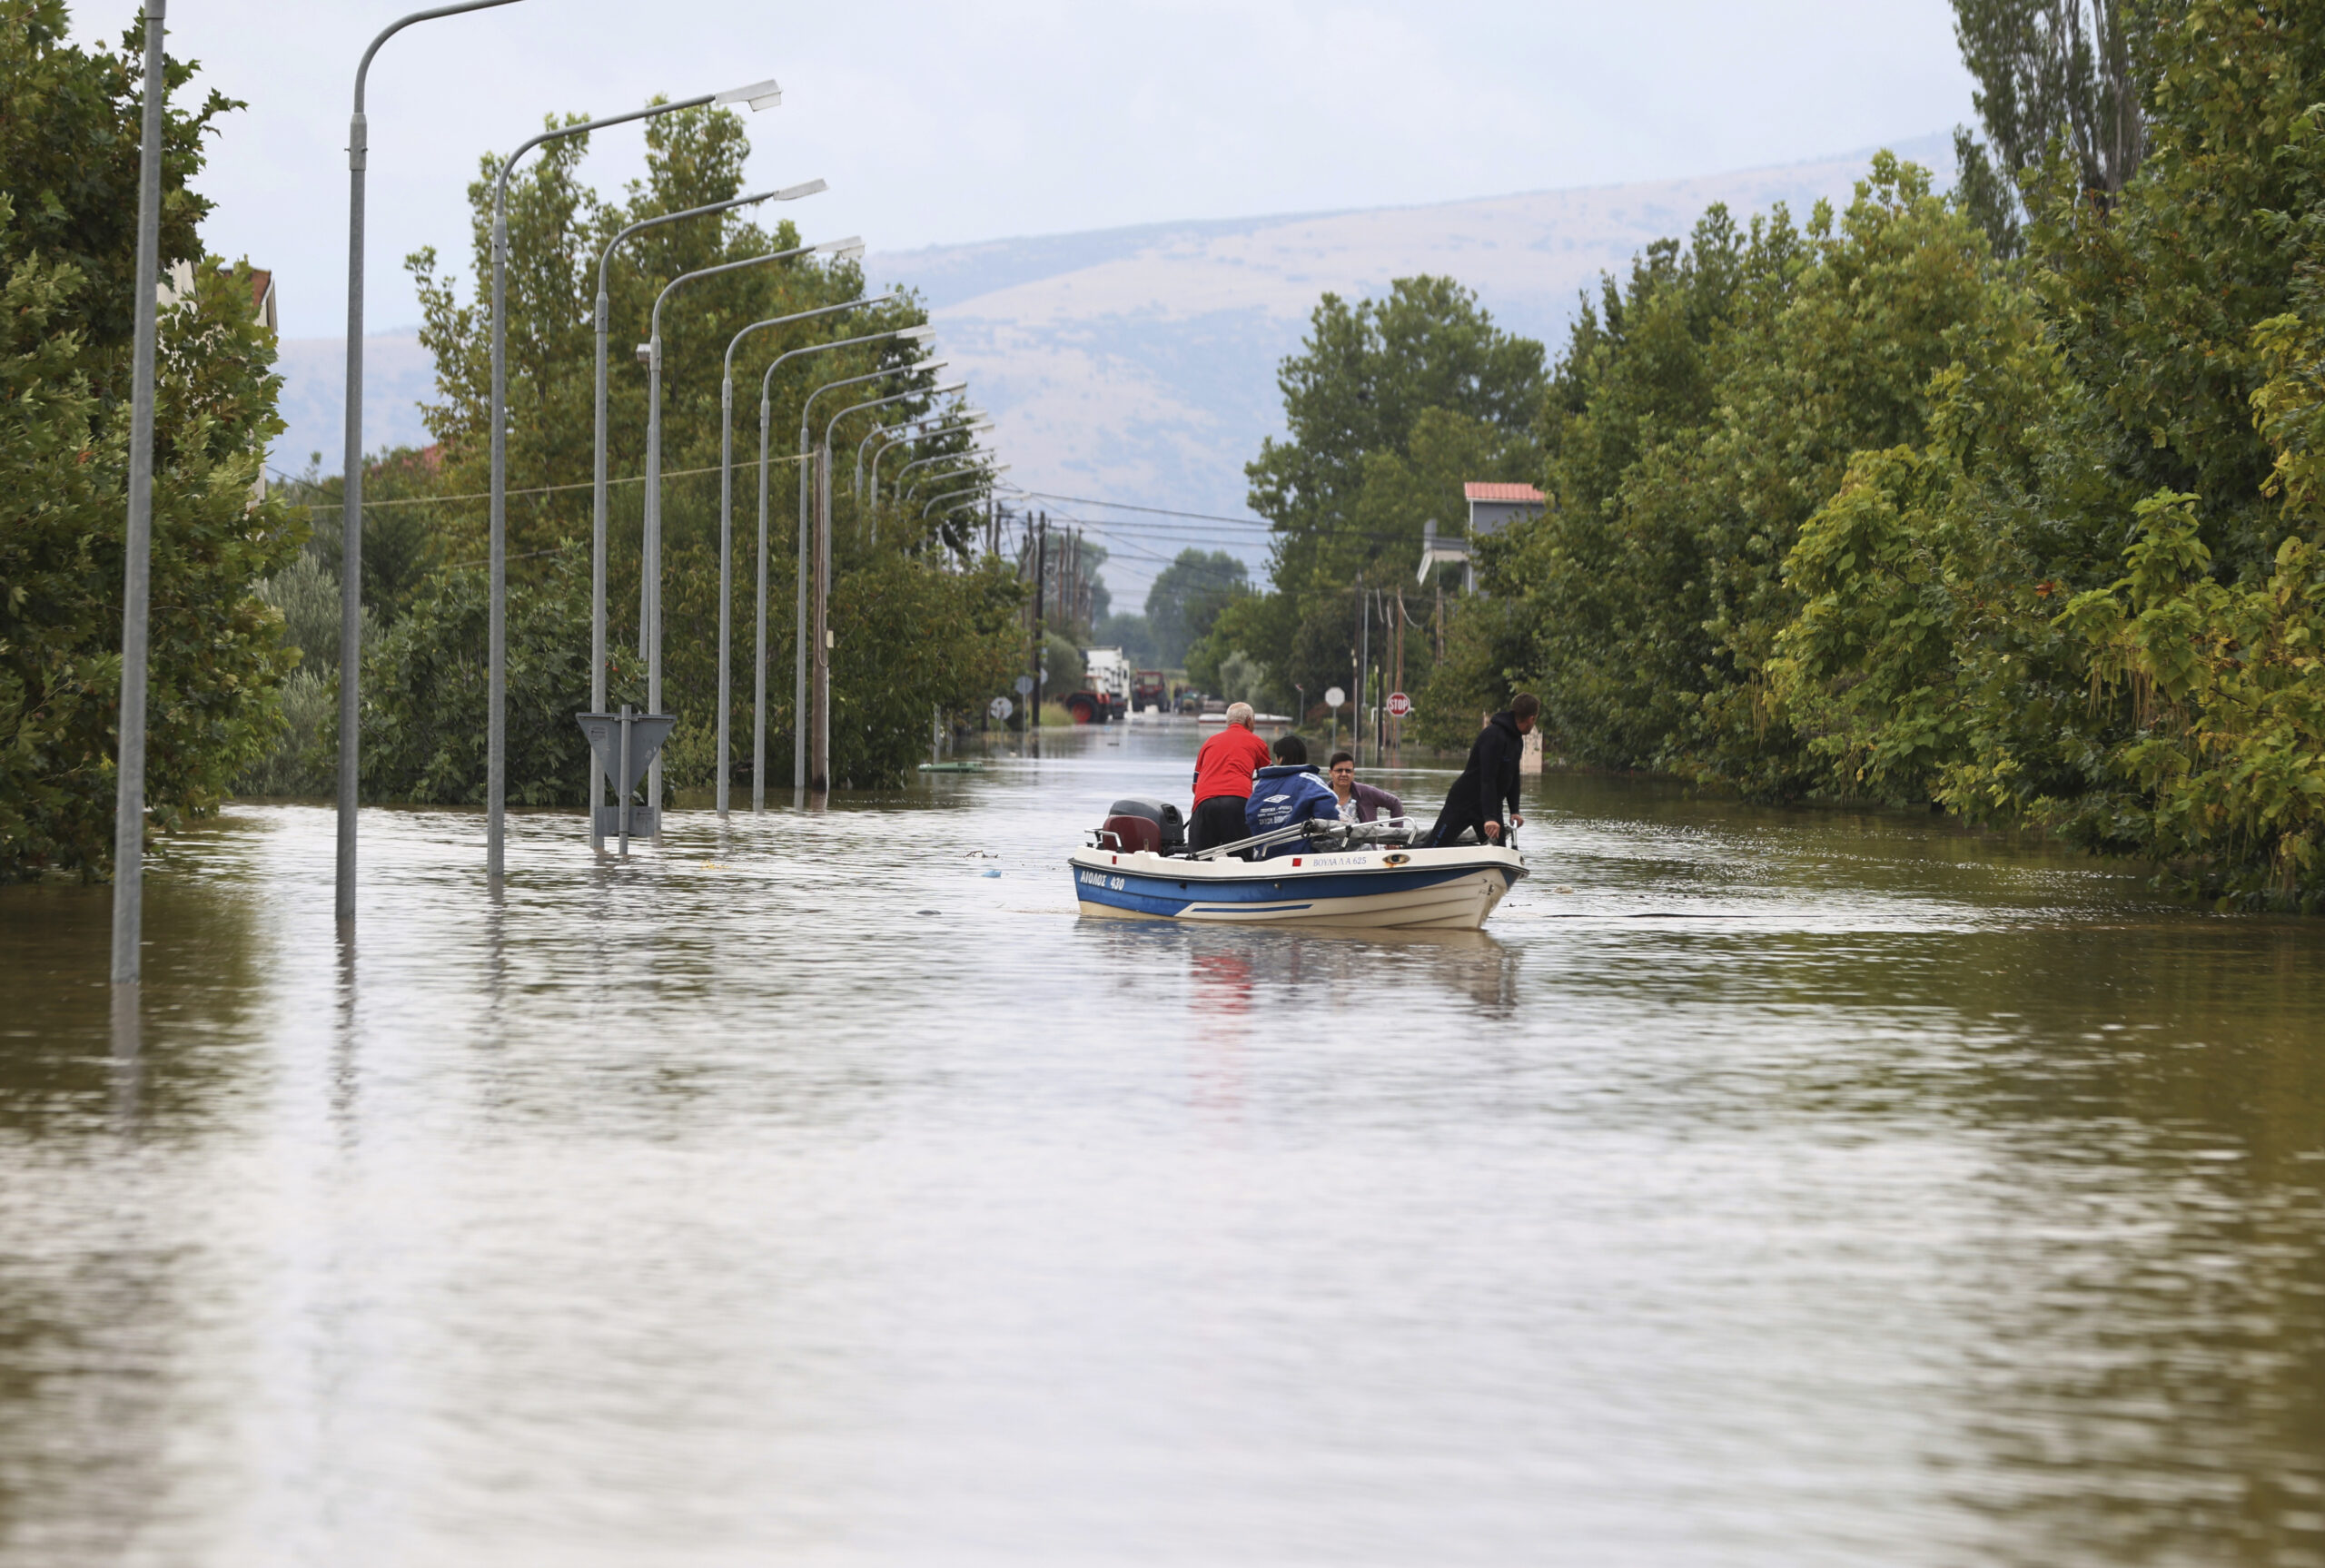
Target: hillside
(1138,364)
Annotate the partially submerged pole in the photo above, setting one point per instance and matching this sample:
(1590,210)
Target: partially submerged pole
(129,778)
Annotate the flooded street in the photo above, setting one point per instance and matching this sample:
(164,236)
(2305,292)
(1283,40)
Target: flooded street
(1761,1187)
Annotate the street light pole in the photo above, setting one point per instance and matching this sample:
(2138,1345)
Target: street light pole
(819,740)
(917,428)
(974,456)
(918,334)
(800,657)
(957,495)
(598,510)
(759,95)
(727,509)
(650,588)
(351,513)
(137,539)
(964,425)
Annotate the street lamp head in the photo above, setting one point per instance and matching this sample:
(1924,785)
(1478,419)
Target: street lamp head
(920,334)
(763,95)
(846,250)
(793,192)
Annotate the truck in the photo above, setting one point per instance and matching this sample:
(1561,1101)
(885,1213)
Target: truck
(1106,694)
(1150,692)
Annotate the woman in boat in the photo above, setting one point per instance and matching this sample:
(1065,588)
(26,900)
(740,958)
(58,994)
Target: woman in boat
(1359,801)
(1290,792)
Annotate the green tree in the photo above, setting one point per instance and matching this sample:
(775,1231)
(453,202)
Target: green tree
(1358,390)
(1186,597)
(2155,380)
(2060,79)
(68,199)
(1389,407)
(558,229)
(1699,420)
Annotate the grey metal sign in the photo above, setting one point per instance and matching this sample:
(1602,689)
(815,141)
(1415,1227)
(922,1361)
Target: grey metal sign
(646,734)
(624,744)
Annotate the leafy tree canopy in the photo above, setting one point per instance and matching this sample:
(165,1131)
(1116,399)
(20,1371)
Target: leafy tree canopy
(69,136)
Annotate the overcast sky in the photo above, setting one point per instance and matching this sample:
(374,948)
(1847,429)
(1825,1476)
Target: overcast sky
(1010,117)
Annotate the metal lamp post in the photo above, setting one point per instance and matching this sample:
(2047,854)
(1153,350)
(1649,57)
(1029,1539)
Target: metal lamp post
(799,673)
(351,514)
(598,518)
(758,95)
(970,426)
(819,739)
(137,554)
(965,493)
(727,509)
(758,655)
(650,631)
(936,466)
(882,438)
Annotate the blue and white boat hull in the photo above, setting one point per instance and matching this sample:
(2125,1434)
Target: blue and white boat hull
(1384,887)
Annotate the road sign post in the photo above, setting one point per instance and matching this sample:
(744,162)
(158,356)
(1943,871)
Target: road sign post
(625,745)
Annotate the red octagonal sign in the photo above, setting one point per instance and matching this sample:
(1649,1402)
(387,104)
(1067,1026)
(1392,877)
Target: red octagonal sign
(1399,705)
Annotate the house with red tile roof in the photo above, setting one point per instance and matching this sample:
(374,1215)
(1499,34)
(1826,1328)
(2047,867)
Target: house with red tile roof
(1493,505)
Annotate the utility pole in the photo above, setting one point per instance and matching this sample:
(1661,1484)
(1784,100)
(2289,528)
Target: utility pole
(1041,586)
(1079,617)
(1363,660)
(137,553)
(1397,745)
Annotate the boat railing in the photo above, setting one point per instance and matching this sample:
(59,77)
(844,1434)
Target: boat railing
(1323,833)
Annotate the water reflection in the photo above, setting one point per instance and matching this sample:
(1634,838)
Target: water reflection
(1797,1187)
(1237,968)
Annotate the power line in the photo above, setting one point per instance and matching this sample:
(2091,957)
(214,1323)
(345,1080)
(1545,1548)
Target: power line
(1158,511)
(487,495)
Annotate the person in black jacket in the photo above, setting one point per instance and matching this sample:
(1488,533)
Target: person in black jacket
(1489,780)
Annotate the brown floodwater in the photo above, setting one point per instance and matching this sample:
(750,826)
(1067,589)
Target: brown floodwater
(1763,1187)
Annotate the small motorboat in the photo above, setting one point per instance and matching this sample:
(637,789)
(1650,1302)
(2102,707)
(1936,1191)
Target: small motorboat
(1322,873)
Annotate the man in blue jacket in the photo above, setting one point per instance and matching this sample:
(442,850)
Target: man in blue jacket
(1290,792)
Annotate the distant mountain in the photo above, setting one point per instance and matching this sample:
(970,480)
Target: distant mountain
(1138,364)
(398,376)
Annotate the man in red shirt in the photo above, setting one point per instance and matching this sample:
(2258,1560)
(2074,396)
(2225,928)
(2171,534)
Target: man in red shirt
(1224,770)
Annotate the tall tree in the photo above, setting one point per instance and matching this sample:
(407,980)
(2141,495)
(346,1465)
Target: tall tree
(1390,406)
(1186,596)
(2063,73)
(69,133)
(1360,385)
(558,226)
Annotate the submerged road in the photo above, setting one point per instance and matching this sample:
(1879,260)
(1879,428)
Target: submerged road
(1761,1187)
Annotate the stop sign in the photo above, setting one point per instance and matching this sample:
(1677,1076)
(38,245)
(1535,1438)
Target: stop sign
(1399,705)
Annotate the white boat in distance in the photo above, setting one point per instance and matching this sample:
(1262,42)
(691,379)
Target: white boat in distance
(1339,874)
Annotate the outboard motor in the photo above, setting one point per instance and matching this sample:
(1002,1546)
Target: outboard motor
(1152,825)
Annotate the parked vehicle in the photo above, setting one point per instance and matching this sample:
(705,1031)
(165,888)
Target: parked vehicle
(1106,694)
